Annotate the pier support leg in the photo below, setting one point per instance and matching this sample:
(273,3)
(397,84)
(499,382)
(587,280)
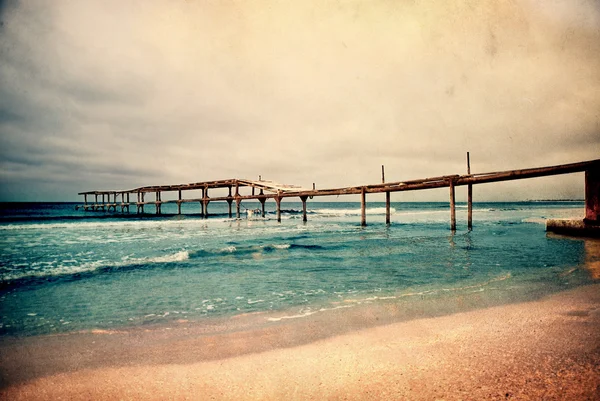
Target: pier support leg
(469,197)
(470,207)
(128,202)
(142,206)
(230,201)
(278,203)
(452,207)
(303,199)
(157,203)
(238,201)
(592,196)
(262,203)
(179,203)
(205,208)
(387,208)
(363,207)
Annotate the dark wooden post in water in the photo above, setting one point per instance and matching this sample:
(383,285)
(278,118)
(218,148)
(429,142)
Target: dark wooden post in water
(128,202)
(303,199)
(278,203)
(262,202)
(363,207)
(452,205)
(238,201)
(469,197)
(592,196)
(229,201)
(205,202)
(179,203)
(143,196)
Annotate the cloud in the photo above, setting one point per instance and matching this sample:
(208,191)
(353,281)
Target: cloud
(115,95)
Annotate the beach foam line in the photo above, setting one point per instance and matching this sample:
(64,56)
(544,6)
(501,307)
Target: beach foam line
(306,314)
(479,286)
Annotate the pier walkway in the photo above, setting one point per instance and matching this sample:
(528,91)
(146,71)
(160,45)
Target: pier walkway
(263,190)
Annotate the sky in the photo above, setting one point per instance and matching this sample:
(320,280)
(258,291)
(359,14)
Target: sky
(120,94)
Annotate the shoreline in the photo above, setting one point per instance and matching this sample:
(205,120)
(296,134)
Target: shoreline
(544,348)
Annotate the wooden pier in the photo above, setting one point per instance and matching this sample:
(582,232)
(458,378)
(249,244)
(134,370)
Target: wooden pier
(263,190)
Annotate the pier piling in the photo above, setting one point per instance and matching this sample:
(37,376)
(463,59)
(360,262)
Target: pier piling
(452,205)
(363,207)
(387,208)
(303,199)
(592,196)
(278,205)
(469,197)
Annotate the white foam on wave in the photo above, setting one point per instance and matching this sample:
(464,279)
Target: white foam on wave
(63,270)
(120,224)
(352,212)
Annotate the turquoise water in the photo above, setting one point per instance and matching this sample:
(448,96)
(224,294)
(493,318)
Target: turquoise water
(65,270)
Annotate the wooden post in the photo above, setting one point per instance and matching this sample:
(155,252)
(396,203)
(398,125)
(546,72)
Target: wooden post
(205,202)
(157,202)
(303,199)
(238,201)
(363,207)
(262,202)
(382,174)
(128,202)
(452,206)
(469,197)
(229,201)
(179,203)
(278,203)
(387,208)
(143,196)
(84,201)
(592,196)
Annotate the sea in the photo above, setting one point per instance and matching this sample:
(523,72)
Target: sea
(66,270)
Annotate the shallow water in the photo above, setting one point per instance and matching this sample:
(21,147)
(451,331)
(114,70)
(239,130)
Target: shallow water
(63,270)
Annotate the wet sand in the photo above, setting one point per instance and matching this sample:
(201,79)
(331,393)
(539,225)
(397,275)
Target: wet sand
(545,349)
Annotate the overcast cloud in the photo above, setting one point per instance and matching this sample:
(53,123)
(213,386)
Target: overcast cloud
(120,94)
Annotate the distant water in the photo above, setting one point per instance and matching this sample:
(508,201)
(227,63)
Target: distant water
(65,270)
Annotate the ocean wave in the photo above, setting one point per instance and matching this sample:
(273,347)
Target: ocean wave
(239,250)
(65,271)
(351,212)
(141,223)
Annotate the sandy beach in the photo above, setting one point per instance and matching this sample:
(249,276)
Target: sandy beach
(546,349)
